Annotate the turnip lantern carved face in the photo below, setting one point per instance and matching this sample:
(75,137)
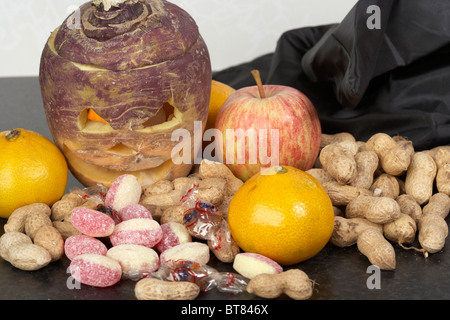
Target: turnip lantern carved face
(116,82)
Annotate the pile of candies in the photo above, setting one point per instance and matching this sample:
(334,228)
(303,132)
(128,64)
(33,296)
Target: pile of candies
(96,265)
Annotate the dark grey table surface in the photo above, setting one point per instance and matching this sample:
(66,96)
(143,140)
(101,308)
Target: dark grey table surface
(339,273)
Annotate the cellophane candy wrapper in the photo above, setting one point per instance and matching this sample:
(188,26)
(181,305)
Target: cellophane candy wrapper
(205,221)
(190,198)
(96,193)
(202,220)
(206,277)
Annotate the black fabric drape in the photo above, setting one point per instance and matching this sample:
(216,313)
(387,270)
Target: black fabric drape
(395,79)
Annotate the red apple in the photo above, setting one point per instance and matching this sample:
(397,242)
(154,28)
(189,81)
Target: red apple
(292,129)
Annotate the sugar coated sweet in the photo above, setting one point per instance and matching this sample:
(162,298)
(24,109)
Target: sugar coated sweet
(144,232)
(80,244)
(136,261)
(95,270)
(134,211)
(125,190)
(174,233)
(251,264)
(92,222)
(191,251)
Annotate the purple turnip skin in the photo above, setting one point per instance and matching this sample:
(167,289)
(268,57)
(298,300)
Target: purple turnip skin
(150,54)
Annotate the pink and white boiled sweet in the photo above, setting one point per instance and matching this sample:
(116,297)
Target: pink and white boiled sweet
(92,222)
(132,237)
(125,190)
(80,244)
(133,211)
(174,233)
(95,270)
(251,264)
(141,231)
(136,261)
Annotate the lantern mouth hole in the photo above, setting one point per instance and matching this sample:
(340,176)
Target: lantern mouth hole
(106,175)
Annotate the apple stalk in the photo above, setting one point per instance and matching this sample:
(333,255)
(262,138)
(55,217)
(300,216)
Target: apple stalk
(257,76)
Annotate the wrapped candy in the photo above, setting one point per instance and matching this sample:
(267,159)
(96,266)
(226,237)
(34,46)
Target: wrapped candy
(203,221)
(190,198)
(96,193)
(206,277)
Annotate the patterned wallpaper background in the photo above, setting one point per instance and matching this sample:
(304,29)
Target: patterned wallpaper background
(235,31)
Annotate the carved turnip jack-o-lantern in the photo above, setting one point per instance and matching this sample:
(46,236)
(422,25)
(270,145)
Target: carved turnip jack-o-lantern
(117,78)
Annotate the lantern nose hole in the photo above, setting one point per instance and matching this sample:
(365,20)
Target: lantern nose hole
(122,149)
(165,113)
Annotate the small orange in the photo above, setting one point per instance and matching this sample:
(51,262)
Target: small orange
(282,213)
(32,169)
(219,94)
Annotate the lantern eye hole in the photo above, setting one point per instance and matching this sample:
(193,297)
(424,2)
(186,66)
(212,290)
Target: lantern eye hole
(90,120)
(165,113)
(93,116)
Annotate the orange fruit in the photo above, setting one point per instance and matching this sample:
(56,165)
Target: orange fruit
(219,94)
(282,213)
(32,169)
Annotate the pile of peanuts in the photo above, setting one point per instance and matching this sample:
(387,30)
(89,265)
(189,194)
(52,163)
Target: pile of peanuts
(384,192)
(30,241)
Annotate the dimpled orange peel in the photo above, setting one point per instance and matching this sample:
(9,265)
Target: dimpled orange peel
(282,213)
(32,169)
